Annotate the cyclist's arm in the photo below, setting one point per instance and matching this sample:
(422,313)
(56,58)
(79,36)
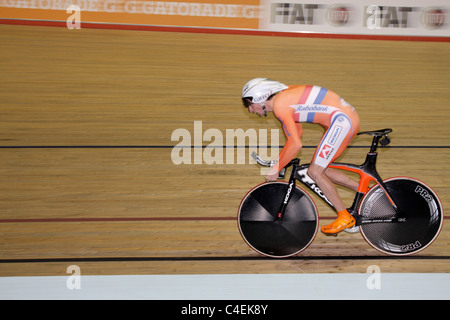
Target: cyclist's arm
(293,132)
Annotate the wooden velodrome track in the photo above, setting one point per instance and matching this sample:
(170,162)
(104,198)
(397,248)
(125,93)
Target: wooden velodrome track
(86,120)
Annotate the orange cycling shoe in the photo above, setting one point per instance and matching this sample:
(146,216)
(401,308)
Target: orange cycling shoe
(344,220)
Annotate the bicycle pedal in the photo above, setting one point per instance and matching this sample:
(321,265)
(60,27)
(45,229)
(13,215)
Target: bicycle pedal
(331,234)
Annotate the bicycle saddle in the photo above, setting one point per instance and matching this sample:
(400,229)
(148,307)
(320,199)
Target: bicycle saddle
(376,133)
(380,136)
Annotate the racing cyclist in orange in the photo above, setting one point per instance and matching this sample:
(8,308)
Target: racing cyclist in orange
(293,105)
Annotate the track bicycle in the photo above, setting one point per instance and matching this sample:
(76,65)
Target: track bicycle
(397,216)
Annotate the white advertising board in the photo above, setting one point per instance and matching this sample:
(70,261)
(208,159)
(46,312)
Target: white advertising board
(360,17)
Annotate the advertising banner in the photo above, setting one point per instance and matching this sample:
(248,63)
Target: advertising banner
(415,18)
(198,13)
(364,17)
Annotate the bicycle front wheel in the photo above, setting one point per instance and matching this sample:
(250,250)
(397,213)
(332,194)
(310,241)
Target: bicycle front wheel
(417,203)
(257,220)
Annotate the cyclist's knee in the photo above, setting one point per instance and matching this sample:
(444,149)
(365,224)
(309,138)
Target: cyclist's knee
(315,171)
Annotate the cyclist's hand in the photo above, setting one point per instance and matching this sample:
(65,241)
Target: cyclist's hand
(272,175)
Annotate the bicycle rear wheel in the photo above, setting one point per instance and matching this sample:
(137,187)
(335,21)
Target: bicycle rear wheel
(257,220)
(416,202)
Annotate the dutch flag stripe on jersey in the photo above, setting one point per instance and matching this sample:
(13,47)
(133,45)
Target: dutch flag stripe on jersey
(311,95)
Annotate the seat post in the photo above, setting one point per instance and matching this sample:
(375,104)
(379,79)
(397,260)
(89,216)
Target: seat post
(377,135)
(374,146)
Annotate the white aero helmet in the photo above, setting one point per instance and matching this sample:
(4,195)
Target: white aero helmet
(258,90)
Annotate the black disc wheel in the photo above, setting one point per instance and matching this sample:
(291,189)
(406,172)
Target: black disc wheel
(257,219)
(419,211)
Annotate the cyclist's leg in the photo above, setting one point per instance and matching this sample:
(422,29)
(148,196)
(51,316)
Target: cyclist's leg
(340,178)
(317,173)
(333,143)
(337,176)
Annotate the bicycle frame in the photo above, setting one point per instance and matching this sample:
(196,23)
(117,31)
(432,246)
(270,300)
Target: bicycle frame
(367,172)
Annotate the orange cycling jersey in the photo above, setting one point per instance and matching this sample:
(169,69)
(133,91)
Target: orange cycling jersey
(314,104)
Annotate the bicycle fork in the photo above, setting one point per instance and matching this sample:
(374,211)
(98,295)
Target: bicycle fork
(288,195)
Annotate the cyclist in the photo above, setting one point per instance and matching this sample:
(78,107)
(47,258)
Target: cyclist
(293,105)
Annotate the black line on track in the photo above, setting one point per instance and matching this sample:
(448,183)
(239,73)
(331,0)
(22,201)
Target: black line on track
(193,147)
(218,258)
